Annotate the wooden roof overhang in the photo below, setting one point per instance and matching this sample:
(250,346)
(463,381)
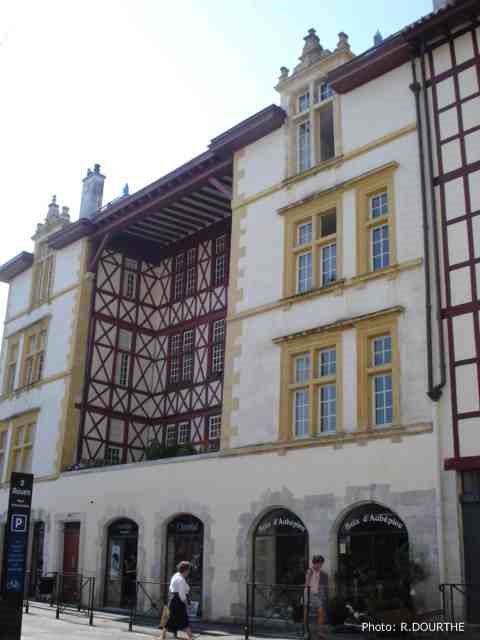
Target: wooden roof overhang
(16,266)
(187,200)
(397,49)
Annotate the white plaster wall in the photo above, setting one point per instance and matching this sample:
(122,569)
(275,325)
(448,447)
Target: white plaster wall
(263,163)
(151,493)
(377,108)
(19,294)
(67,266)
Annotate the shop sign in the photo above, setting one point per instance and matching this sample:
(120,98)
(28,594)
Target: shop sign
(372,519)
(185,525)
(280,522)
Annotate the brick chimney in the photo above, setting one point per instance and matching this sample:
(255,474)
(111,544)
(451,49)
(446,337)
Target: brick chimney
(92,192)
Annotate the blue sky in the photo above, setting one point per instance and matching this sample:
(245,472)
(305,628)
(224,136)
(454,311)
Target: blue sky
(141,86)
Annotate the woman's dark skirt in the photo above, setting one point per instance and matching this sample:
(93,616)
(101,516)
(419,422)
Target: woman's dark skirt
(178,619)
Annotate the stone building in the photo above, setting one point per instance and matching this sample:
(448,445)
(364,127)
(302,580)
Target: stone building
(272,309)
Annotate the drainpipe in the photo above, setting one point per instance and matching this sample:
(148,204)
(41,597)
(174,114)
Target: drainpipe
(434,392)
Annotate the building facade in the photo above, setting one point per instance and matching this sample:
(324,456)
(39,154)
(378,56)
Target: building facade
(289,312)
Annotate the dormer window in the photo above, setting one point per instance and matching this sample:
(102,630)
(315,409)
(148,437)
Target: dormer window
(303,102)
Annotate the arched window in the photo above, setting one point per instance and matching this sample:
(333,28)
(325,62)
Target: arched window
(185,542)
(121,570)
(373,554)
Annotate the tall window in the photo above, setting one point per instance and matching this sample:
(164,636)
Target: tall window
(303,103)
(220,261)
(178,276)
(218,346)
(35,342)
(380,241)
(171,435)
(183,432)
(130,279)
(182,349)
(123,357)
(375,230)
(315,251)
(303,146)
(11,365)
(326,147)
(324,91)
(312,389)
(22,447)
(42,274)
(378,374)
(214,427)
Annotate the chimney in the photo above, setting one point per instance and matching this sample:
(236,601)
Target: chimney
(92,192)
(377,38)
(440,4)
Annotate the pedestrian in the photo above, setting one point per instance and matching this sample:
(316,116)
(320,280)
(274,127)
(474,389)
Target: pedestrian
(178,597)
(317,580)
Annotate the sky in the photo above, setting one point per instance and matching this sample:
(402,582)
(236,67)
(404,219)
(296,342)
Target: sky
(141,86)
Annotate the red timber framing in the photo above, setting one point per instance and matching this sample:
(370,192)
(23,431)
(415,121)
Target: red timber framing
(156,340)
(453,65)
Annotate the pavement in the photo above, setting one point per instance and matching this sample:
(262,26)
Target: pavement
(40,624)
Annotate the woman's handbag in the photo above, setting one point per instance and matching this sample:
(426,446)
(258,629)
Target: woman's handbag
(164,617)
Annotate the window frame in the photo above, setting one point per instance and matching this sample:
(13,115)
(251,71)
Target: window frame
(9,380)
(37,357)
(291,351)
(296,218)
(28,419)
(308,166)
(367,371)
(217,344)
(43,275)
(381,182)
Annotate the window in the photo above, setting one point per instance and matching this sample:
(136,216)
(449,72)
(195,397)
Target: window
(378,373)
(171,435)
(113,455)
(220,261)
(303,146)
(11,365)
(310,386)
(375,223)
(183,432)
(304,102)
(304,272)
(190,283)
(214,427)
(117,428)
(123,357)
(42,274)
(130,278)
(22,447)
(218,346)
(326,148)
(33,358)
(3,450)
(182,346)
(178,276)
(314,248)
(191,256)
(324,91)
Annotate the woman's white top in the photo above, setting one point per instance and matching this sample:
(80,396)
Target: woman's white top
(179,585)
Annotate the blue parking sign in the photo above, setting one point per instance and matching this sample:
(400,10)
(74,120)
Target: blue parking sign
(19,523)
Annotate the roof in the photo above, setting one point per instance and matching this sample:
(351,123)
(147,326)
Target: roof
(197,174)
(16,266)
(397,49)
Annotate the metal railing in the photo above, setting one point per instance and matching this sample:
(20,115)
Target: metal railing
(284,609)
(64,591)
(461,602)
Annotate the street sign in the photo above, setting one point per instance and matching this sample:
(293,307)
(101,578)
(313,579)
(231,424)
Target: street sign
(15,555)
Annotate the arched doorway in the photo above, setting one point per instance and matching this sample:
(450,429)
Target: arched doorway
(373,555)
(280,549)
(121,568)
(185,542)
(36,558)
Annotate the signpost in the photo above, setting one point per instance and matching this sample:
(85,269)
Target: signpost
(15,556)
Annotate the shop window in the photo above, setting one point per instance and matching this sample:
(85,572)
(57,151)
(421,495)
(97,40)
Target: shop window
(121,570)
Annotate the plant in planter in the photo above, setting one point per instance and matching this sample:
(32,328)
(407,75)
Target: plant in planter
(156,451)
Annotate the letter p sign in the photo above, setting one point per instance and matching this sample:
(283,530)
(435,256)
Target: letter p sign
(19,523)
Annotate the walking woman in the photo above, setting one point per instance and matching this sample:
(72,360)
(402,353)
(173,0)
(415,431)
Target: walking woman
(177,603)
(317,580)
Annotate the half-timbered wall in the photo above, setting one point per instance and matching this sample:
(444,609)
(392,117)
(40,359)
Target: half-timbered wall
(156,363)
(453,64)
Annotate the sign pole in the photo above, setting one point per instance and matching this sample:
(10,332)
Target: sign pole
(15,555)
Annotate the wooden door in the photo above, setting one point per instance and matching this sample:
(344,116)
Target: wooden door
(71,544)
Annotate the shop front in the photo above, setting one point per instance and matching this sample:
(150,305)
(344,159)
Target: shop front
(185,542)
(121,572)
(373,556)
